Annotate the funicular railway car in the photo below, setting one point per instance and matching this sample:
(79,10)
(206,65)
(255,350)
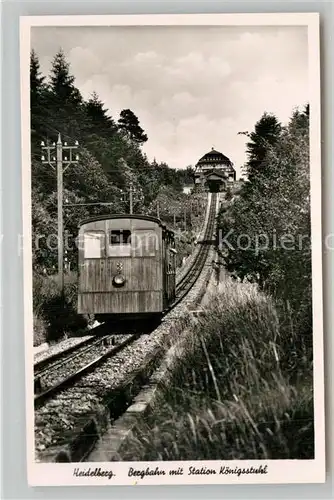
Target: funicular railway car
(127,267)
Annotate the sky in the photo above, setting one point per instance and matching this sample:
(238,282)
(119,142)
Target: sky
(192,87)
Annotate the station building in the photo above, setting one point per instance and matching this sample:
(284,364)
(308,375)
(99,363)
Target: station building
(215,171)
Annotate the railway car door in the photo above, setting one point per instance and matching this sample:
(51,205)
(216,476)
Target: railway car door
(164,268)
(170,268)
(92,260)
(172,272)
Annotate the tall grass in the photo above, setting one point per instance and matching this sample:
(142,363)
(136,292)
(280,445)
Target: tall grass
(236,390)
(55,316)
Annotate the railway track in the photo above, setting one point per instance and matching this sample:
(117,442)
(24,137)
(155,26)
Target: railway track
(187,282)
(93,360)
(51,374)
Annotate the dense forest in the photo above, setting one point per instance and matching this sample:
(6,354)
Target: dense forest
(268,223)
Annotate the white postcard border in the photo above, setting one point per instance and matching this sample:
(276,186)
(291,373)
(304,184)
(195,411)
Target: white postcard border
(277,471)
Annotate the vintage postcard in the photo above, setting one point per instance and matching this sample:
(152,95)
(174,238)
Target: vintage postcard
(172,249)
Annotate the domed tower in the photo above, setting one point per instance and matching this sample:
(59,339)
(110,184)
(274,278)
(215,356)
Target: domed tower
(215,170)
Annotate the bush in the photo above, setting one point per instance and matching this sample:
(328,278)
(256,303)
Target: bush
(40,330)
(228,194)
(58,314)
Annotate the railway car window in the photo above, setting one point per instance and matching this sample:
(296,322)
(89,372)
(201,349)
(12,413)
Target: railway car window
(120,237)
(94,244)
(119,243)
(145,243)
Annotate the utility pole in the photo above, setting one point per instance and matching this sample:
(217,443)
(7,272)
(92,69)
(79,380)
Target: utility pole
(191,212)
(174,219)
(185,219)
(61,163)
(60,213)
(131,197)
(125,167)
(158,210)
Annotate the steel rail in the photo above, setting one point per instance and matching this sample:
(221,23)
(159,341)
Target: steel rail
(39,366)
(65,358)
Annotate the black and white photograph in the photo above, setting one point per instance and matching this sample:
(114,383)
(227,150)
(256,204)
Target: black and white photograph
(172,249)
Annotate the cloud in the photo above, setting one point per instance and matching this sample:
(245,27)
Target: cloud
(191,87)
(146,57)
(85,62)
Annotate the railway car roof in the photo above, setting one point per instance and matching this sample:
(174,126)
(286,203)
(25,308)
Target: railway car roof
(123,216)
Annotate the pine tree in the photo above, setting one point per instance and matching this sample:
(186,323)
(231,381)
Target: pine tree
(266,133)
(129,123)
(36,78)
(62,82)
(300,119)
(38,91)
(101,122)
